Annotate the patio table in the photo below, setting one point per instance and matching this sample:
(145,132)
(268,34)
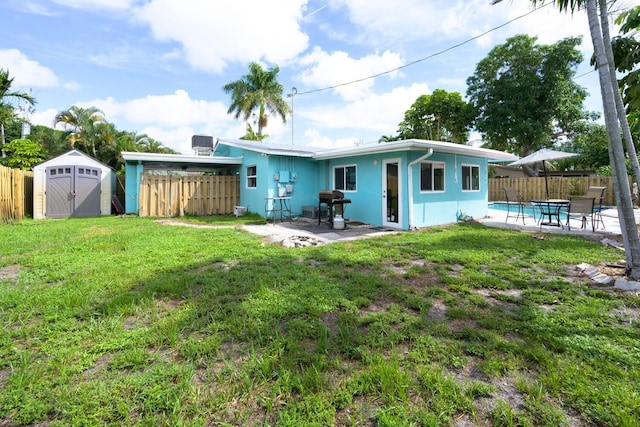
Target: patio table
(277,205)
(550,211)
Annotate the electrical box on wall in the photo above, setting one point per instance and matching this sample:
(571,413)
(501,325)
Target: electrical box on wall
(284,176)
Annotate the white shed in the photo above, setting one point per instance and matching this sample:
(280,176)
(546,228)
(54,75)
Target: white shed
(72,184)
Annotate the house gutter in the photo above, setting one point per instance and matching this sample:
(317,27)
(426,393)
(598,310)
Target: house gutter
(410,178)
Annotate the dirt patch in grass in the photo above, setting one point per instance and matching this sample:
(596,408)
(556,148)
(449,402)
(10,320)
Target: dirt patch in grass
(217,266)
(438,311)
(99,366)
(330,320)
(189,224)
(626,314)
(404,268)
(375,307)
(10,272)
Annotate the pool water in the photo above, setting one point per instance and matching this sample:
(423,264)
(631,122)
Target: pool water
(528,209)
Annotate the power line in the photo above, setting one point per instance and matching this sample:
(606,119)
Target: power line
(426,57)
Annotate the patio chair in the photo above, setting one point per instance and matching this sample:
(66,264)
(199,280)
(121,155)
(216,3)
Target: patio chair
(598,194)
(581,208)
(514,200)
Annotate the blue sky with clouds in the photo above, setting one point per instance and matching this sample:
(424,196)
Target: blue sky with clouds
(158,66)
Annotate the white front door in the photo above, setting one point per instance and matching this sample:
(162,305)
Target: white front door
(391,193)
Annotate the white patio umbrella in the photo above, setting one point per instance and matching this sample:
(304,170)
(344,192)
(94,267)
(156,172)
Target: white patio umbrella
(541,156)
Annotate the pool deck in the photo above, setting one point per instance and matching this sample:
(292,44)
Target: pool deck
(497,218)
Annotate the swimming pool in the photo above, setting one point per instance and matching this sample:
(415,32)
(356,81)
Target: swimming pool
(528,209)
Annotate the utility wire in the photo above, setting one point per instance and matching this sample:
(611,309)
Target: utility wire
(426,57)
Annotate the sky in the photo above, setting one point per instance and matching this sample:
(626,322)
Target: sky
(158,67)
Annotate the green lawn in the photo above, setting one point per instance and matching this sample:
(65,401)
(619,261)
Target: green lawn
(123,321)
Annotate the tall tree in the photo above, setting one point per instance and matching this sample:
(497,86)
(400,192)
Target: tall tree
(389,138)
(608,87)
(53,141)
(617,96)
(23,154)
(257,90)
(588,139)
(523,92)
(626,52)
(7,96)
(84,126)
(441,116)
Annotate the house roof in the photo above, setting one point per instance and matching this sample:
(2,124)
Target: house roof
(417,145)
(271,149)
(386,147)
(163,161)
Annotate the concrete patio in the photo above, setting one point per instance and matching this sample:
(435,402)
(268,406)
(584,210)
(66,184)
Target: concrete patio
(306,232)
(497,218)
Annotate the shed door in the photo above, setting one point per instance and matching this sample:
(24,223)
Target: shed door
(72,191)
(87,198)
(59,191)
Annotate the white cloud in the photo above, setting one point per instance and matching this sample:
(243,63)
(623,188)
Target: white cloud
(399,20)
(44,118)
(172,119)
(26,72)
(96,4)
(213,33)
(379,114)
(316,139)
(71,85)
(177,109)
(327,70)
(178,139)
(38,9)
(402,21)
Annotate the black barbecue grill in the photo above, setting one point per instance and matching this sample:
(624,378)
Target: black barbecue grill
(332,198)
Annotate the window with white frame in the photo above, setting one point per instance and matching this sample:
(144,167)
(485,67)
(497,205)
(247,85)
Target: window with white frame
(431,176)
(470,178)
(252,176)
(344,178)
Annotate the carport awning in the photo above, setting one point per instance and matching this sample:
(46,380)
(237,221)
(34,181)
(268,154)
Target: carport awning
(156,161)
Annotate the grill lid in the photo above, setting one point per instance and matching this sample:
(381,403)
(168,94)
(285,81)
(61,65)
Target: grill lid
(329,195)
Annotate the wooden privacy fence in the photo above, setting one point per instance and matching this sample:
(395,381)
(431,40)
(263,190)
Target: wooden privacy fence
(16,194)
(559,187)
(168,196)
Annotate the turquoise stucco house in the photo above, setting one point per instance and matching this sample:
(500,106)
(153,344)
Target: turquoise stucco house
(405,184)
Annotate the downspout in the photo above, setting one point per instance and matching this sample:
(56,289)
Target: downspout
(410,178)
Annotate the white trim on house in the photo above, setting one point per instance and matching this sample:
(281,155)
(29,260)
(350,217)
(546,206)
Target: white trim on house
(416,144)
(385,147)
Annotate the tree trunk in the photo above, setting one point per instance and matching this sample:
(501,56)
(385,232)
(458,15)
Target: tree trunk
(616,151)
(622,114)
(261,120)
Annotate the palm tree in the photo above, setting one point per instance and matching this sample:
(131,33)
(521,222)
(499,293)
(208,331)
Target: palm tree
(614,122)
(251,134)
(84,126)
(258,89)
(6,96)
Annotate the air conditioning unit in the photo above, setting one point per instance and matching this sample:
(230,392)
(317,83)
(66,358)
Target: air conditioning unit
(202,144)
(312,212)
